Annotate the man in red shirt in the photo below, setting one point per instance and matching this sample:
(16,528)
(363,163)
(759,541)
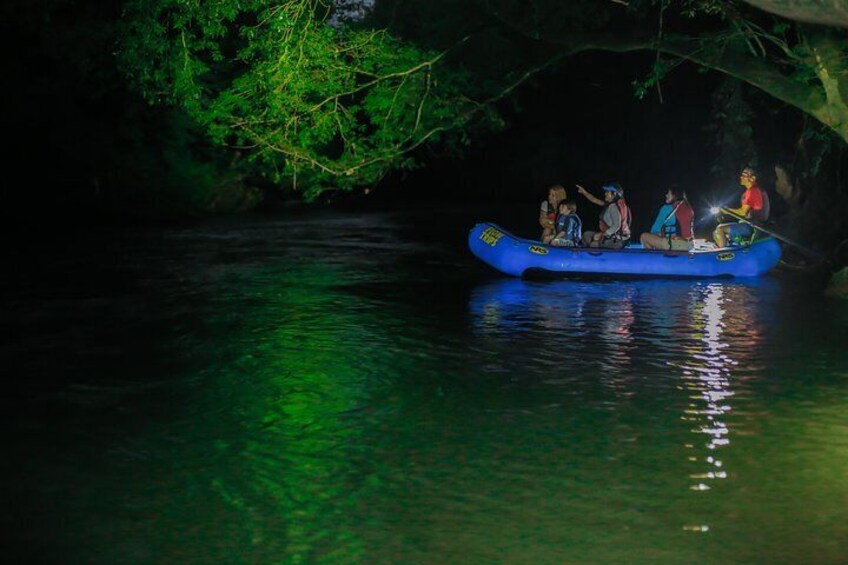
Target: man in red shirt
(754,207)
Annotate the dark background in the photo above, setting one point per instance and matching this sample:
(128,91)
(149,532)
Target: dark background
(88,151)
(581,123)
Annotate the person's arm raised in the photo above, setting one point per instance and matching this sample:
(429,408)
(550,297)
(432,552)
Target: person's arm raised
(590,197)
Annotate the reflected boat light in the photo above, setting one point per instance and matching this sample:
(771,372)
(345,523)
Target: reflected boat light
(708,375)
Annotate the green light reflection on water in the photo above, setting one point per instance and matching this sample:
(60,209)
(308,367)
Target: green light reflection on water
(264,461)
(309,379)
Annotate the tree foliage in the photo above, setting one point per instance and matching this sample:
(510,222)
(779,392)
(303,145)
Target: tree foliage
(308,102)
(805,66)
(96,149)
(316,94)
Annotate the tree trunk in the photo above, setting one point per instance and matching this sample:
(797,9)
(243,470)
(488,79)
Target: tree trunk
(825,12)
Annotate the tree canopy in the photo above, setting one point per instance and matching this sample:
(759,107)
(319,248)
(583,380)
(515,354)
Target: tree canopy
(306,95)
(319,94)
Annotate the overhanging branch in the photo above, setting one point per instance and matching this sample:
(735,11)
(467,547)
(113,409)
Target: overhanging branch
(709,51)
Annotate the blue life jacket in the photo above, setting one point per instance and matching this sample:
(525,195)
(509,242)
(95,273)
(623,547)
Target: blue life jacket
(666,222)
(571,225)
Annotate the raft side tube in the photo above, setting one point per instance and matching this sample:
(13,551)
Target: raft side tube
(515,256)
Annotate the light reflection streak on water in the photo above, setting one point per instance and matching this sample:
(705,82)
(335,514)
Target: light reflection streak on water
(616,323)
(708,376)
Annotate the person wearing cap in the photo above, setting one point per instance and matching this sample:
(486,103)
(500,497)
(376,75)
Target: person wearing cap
(614,232)
(754,206)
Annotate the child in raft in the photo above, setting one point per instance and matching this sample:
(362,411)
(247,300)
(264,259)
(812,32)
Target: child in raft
(569,228)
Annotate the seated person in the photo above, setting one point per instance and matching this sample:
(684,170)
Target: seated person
(673,228)
(569,228)
(754,207)
(548,212)
(614,224)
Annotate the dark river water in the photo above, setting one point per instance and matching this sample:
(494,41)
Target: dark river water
(339,388)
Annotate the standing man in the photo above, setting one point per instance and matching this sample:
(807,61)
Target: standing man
(754,207)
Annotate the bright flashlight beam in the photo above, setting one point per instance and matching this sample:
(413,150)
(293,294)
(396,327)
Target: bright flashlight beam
(715,210)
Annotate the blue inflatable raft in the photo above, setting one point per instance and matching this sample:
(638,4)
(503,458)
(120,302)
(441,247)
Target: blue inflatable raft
(515,256)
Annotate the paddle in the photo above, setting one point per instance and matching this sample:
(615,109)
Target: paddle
(815,254)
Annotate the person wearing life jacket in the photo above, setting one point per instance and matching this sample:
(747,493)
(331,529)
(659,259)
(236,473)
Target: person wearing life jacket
(548,212)
(614,232)
(673,228)
(755,206)
(569,228)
